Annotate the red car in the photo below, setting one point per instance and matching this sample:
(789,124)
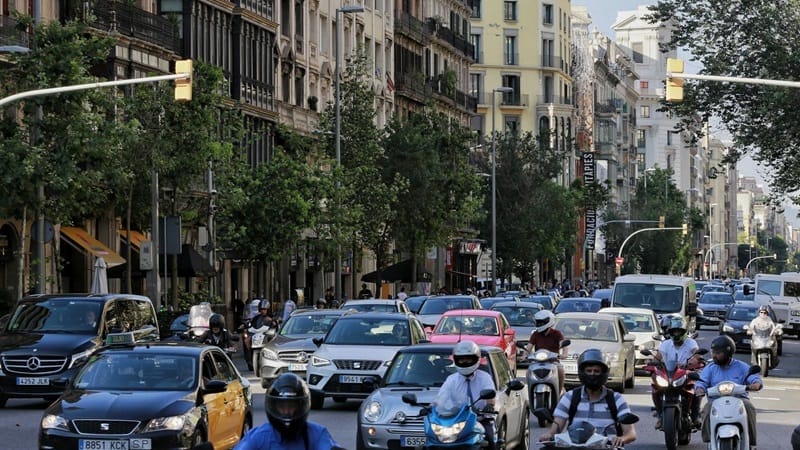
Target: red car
(483,327)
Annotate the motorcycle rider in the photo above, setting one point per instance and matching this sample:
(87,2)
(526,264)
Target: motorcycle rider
(287,405)
(680,347)
(762,324)
(545,336)
(263,318)
(594,405)
(468,382)
(725,368)
(217,334)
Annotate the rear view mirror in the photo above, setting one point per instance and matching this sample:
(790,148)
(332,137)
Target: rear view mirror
(754,369)
(746,289)
(515,385)
(646,352)
(565,343)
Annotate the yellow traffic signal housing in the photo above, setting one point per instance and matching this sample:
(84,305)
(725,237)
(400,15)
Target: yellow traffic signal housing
(674,92)
(183,87)
(660,221)
(685,229)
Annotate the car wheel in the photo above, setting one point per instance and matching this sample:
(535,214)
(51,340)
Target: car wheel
(3,400)
(630,383)
(246,426)
(317,400)
(501,436)
(780,347)
(197,438)
(525,432)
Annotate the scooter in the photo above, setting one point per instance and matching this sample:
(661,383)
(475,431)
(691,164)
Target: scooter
(672,384)
(258,339)
(453,424)
(544,387)
(199,316)
(762,343)
(728,421)
(583,434)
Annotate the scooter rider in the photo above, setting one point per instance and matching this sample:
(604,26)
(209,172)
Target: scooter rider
(468,382)
(287,405)
(725,368)
(217,334)
(595,403)
(762,324)
(547,337)
(681,348)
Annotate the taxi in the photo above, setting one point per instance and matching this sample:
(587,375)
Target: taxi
(167,395)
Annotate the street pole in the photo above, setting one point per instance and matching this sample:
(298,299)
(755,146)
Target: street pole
(747,267)
(494,188)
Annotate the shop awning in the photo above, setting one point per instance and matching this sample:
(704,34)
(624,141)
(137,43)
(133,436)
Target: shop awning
(397,272)
(137,237)
(81,240)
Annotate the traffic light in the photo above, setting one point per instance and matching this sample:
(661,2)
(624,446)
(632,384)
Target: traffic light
(674,85)
(685,229)
(183,87)
(660,221)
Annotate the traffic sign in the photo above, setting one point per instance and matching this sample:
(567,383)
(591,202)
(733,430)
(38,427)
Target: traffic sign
(619,260)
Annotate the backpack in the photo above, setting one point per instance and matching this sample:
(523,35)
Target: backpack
(612,407)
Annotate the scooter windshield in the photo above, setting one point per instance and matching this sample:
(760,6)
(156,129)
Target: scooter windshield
(670,364)
(199,315)
(448,404)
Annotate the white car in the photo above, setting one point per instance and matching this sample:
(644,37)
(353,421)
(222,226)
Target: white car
(643,324)
(354,355)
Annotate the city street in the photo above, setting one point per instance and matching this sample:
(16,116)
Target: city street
(776,405)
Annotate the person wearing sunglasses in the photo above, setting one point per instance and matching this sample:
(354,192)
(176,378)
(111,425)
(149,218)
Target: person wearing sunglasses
(761,325)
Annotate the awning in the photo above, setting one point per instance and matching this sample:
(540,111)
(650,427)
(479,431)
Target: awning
(190,264)
(397,272)
(137,237)
(81,240)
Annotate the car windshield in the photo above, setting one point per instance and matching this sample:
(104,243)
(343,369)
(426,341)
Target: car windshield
(543,300)
(371,307)
(661,298)
(422,369)
(71,316)
(739,295)
(518,316)
(743,314)
(710,299)
(300,325)
(414,303)
(439,305)
(369,331)
(638,322)
(587,329)
(467,325)
(126,371)
(577,305)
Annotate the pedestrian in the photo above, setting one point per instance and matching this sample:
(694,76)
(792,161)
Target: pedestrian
(329,297)
(237,306)
(402,294)
(288,308)
(364,292)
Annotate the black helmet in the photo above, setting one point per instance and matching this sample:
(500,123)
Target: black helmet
(287,404)
(216,320)
(592,357)
(263,304)
(724,344)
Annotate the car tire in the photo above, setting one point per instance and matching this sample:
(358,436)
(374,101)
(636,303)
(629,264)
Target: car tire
(246,426)
(525,432)
(3,400)
(631,382)
(502,436)
(317,400)
(780,347)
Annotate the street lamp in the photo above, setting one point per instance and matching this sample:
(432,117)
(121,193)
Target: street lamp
(346,9)
(503,89)
(774,256)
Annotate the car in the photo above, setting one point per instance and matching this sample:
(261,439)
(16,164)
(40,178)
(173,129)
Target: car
(357,348)
(740,296)
(578,304)
(520,316)
(487,302)
(546,301)
(434,307)
(415,302)
(385,421)
(49,337)
(482,326)
(714,305)
(292,346)
(155,395)
(604,295)
(643,324)
(739,315)
(698,287)
(606,332)
(177,329)
(514,293)
(376,305)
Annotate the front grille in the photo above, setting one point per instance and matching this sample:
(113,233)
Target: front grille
(357,364)
(291,355)
(117,427)
(34,364)
(410,421)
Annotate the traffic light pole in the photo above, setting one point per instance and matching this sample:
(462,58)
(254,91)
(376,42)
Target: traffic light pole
(691,76)
(621,247)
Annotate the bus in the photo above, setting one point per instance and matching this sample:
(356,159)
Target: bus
(663,294)
(781,292)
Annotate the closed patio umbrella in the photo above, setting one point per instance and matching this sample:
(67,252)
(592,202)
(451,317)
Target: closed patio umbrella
(99,277)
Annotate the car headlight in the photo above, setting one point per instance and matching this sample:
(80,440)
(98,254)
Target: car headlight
(174,423)
(50,421)
(448,434)
(728,329)
(796,312)
(372,411)
(611,357)
(318,361)
(269,354)
(661,381)
(79,359)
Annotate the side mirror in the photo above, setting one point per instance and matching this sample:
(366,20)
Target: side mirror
(488,394)
(215,387)
(565,343)
(646,352)
(754,369)
(371,382)
(317,341)
(628,338)
(628,419)
(701,351)
(692,309)
(410,399)
(515,385)
(746,289)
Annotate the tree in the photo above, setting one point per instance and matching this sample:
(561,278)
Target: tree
(744,39)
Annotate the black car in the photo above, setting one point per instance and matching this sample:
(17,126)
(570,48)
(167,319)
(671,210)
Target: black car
(150,396)
(739,315)
(578,304)
(714,306)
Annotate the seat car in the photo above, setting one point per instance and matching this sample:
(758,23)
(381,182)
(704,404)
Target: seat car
(386,422)
(714,305)
(643,324)
(49,337)
(376,305)
(520,317)
(739,315)
(482,326)
(293,345)
(434,307)
(606,332)
(150,396)
(578,304)
(357,348)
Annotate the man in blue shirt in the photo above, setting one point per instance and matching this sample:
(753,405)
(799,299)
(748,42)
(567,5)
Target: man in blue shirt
(725,368)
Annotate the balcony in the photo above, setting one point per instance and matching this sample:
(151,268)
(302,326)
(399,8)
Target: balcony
(554,99)
(555,62)
(510,99)
(607,107)
(511,59)
(411,27)
(446,34)
(136,23)
(10,35)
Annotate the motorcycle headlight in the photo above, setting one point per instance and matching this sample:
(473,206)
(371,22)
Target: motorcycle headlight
(728,329)
(78,359)
(372,411)
(726,388)
(50,421)
(540,356)
(318,361)
(661,381)
(449,434)
(679,381)
(269,354)
(174,423)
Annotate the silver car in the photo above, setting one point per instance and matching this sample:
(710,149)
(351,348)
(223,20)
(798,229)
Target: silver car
(520,316)
(386,422)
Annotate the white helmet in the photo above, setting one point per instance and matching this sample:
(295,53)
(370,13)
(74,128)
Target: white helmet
(543,320)
(467,357)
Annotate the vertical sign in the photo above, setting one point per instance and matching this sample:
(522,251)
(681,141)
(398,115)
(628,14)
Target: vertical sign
(590,215)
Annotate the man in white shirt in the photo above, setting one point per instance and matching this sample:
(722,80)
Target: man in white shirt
(680,348)
(402,294)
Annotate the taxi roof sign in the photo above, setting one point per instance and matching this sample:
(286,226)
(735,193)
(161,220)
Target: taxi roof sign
(121,339)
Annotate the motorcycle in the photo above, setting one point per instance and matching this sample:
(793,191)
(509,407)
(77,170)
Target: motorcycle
(544,387)
(728,420)
(258,339)
(199,315)
(672,384)
(764,348)
(583,434)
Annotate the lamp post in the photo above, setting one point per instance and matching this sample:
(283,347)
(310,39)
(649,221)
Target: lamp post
(346,9)
(747,267)
(503,89)
(710,238)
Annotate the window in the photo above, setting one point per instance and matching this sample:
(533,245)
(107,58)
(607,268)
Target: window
(644,85)
(547,15)
(510,51)
(510,10)
(669,137)
(645,111)
(512,124)
(477,54)
(476,8)
(511,98)
(476,86)
(641,139)
(638,56)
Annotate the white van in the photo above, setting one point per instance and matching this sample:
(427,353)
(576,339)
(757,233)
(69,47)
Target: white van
(663,294)
(781,292)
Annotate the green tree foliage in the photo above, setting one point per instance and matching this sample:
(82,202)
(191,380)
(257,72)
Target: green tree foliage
(744,38)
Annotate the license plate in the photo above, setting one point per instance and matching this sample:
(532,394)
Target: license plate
(412,441)
(33,381)
(570,367)
(296,367)
(351,379)
(258,340)
(745,341)
(102,444)
(140,444)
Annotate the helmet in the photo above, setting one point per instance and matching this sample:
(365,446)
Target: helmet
(263,304)
(592,357)
(467,357)
(287,403)
(216,320)
(763,308)
(674,326)
(724,344)
(543,319)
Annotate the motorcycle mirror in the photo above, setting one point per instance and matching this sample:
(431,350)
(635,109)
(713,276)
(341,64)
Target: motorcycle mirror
(271,332)
(701,351)
(694,376)
(565,343)
(317,341)
(410,399)
(658,337)
(543,414)
(754,369)
(628,419)
(646,352)
(746,289)
(488,394)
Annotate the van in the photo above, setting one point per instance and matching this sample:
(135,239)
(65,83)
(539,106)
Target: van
(663,294)
(49,337)
(782,293)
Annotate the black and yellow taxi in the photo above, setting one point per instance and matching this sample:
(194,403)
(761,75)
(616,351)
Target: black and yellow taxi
(165,395)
